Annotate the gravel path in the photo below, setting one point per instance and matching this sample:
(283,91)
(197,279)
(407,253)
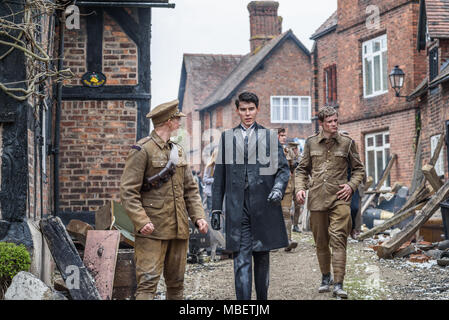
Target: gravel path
(296,276)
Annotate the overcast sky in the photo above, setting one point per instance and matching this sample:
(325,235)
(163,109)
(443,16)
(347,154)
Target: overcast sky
(217,27)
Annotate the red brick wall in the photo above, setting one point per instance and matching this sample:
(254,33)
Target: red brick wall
(402,137)
(401,30)
(264,22)
(95,141)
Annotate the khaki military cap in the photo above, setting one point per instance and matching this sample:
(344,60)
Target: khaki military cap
(293,143)
(165,111)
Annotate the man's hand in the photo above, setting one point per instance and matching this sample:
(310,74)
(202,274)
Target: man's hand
(215,219)
(202,225)
(345,193)
(147,229)
(301,196)
(275,196)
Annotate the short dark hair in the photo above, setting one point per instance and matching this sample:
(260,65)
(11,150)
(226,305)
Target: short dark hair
(281,130)
(326,111)
(247,97)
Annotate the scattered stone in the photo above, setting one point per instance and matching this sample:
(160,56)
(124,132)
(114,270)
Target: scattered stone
(443,245)
(433,254)
(26,286)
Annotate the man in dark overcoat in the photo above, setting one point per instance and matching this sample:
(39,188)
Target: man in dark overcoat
(252,172)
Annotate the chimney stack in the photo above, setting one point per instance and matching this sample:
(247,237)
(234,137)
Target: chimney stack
(265,24)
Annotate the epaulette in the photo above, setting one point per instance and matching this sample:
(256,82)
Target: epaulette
(313,135)
(140,143)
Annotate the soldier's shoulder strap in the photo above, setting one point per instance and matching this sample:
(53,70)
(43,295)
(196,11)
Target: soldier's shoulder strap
(312,136)
(139,145)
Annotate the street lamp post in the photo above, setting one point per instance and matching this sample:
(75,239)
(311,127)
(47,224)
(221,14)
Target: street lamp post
(397,80)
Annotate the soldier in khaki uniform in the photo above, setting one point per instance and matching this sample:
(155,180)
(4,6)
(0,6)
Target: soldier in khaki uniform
(160,211)
(294,150)
(286,202)
(326,158)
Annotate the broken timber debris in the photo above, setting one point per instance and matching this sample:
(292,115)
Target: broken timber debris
(379,185)
(68,261)
(100,258)
(387,248)
(78,229)
(104,219)
(431,176)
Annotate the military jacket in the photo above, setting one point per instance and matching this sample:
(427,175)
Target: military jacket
(167,207)
(326,161)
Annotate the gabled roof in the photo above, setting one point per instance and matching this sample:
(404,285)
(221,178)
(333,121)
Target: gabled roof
(205,72)
(442,76)
(249,64)
(419,90)
(328,26)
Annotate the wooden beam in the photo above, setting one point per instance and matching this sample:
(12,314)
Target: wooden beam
(387,248)
(368,183)
(104,218)
(100,258)
(94,46)
(431,176)
(76,276)
(397,218)
(126,22)
(78,229)
(379,184)
(437,151)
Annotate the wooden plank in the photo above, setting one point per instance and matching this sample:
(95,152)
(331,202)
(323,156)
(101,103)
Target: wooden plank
(380,183)
(397,218)
(387,248)
(417,177)
(104,219)
(100,258)
(368,183)
(438,148)
(76,276)
(431,175)
(125,283)
(78,229)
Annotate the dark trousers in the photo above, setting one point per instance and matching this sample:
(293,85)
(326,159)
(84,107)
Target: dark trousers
(243,262)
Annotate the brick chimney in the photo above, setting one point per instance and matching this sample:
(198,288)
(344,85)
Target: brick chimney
(265,24)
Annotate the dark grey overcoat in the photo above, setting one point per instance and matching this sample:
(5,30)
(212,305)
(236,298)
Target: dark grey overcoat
(266,167)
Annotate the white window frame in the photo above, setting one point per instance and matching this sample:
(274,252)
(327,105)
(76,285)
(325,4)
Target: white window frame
(369,55)
(289,120)
(376,149)
(439,165)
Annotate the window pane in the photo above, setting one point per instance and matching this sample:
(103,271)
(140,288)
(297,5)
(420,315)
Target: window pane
(370,164)
(376,46)
(387,138)
(387,156)
(276,109)
(368,78)
(295,109)
(384,71)
(285,109)
(380,164)
(370,141)
(305,109)
(377,73)
(379,140)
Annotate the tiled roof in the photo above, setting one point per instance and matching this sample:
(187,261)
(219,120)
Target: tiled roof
(247,65)
(205,72)
(437,12)
(327,26)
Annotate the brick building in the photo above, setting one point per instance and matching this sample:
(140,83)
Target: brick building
(277,69)
(432,94)
(63,153)
(353,54)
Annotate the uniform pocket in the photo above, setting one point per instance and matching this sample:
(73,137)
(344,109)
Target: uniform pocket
(316,153)
(153,203)
(158,163)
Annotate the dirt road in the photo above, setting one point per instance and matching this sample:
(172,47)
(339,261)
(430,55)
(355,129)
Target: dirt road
(296,276)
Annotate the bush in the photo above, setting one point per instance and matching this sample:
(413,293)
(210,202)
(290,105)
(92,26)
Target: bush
(13,259)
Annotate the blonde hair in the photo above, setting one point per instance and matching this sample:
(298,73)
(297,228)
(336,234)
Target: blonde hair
(325,112)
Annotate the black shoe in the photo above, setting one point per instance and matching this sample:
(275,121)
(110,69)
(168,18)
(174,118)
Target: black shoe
(339,292)
(291,245)
(326,282)
(296,228)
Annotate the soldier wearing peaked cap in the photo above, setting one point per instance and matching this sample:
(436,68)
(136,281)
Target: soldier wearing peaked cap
(159,194)
(295,155)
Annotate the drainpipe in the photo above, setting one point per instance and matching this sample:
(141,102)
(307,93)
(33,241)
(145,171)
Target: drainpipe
(58,119)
